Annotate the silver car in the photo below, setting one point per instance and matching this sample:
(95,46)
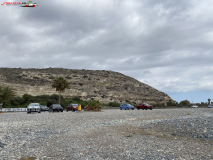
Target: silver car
(210,106)
(34,107)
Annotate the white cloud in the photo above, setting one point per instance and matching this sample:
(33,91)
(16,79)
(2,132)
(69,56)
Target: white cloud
(166,44)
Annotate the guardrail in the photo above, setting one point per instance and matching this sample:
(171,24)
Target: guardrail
(14,109)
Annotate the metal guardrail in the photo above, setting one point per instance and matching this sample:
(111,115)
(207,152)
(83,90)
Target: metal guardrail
(14,109)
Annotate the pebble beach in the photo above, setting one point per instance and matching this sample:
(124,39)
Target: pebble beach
(110,134)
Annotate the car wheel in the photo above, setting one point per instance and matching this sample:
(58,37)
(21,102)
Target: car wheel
(138,108)
(61,110)
(127,108)
(145,108)
(150,109)
(120,108)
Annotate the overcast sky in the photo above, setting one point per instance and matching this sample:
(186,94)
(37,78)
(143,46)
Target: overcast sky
(166,44)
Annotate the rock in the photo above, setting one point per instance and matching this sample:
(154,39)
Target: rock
(2,144)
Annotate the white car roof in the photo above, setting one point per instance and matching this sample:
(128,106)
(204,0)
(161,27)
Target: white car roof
(34,104)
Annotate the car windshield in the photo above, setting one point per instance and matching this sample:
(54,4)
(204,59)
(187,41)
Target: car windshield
(128,104)
(43,106)
(34,104)
(145,104)
(75,104)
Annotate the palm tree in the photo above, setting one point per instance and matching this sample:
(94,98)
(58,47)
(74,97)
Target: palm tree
(209,100)
(60,84)
(6,93)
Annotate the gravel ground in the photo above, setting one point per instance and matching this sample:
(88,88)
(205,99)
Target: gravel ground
(110,134)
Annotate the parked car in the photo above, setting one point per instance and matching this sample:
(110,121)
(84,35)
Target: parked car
(33,107)
(210,106)
(56,107)
(144,106)
(72,107)
(126,106)
(44,108)
(194,106)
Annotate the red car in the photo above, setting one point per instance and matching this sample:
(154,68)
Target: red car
(72,107)
(144,106)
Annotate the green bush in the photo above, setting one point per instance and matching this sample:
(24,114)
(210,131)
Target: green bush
(20,100)
(55,97)
(184,103)
(26,97)
(43,103)
(94,105)
(44,97)
(171,103)
(113,104)
(33,100)
(158,105)
(76,98)
(51,101)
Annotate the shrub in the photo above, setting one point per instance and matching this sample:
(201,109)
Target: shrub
(50,102)
(185,103)
(20,100)
(7,103)
(26,97)
(55,97)
(43,97)
(33,100)
(170,103)
(113,104)
(14,102)
(94,105)
(76,98)
(158,105)
(43,103)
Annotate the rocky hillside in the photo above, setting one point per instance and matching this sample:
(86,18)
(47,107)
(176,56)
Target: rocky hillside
(105,86)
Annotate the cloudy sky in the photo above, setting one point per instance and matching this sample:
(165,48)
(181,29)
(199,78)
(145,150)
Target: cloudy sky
(166,44)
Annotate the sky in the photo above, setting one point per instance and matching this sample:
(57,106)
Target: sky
(166,44)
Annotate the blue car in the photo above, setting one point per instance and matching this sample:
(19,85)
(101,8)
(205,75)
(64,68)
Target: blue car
(126,106)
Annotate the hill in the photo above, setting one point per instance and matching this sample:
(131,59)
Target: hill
(102,85)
